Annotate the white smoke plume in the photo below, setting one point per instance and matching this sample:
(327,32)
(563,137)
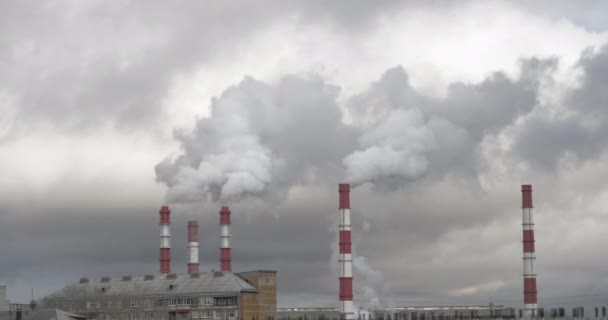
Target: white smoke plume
(394,147)
(370,282)
(261,139)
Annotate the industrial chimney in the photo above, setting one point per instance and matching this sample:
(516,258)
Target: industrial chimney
(346,259)
(165,240)
(193,247)
(530,300)
(225,259)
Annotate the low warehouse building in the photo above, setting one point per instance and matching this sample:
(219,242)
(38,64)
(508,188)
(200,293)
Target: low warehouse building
(403,313)
(209,295)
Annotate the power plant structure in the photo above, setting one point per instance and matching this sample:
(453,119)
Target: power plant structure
(192,247)
(253,295)
(212,294)
(530,291)
(165,240)
(225,256)
(347,310)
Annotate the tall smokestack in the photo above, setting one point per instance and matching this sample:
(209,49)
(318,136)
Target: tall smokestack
(165,240)
(193,246)
(530,300)
(346,258)
(225,259)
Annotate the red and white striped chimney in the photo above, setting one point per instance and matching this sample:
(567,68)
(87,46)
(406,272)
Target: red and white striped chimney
(193,247)
(530,300)
(225,259)
(347,311)
(165,240)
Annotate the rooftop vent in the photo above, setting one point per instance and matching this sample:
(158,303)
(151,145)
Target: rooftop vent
(104,289)
(105,279)
(148,277)
(84,280)
(172,276)
(171,286)
(126,278)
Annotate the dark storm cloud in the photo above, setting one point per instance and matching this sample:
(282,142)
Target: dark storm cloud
(113,240)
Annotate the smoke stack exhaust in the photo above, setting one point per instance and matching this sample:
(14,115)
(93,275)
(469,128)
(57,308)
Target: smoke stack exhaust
(193,247)
(530,299)
(225,259)
(346,259)
(165,240)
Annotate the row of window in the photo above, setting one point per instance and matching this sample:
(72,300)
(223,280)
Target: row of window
(217,315)
(135,303)
(206,301)
(214,314)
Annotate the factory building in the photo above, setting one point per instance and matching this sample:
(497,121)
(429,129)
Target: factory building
(208,295)
(403,313)
(168,296)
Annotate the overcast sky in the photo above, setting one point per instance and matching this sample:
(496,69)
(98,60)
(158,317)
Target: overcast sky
(436,111)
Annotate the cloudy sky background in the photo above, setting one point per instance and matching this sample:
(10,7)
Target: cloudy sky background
(438,112)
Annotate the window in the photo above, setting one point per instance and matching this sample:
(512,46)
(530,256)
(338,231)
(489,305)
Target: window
(219,315)
(207,301)
(135,303)
(92,305)
(207,314)
(232,314)
(225,301)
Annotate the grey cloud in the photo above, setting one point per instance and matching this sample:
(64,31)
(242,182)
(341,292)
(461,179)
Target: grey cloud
(544,140)
(81,65)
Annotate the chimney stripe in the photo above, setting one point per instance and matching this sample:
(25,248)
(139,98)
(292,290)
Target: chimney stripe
(165,240)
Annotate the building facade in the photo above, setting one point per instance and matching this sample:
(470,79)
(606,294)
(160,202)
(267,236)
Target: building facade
(209,295)
(403,313)
(3,302)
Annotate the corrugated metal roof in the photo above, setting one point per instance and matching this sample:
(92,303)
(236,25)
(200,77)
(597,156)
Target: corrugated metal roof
(161,285)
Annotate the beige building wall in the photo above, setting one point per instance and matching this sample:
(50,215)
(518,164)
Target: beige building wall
(262,305)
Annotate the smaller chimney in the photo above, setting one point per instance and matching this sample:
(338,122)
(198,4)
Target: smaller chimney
(165,240)
(193,247)
(225,259)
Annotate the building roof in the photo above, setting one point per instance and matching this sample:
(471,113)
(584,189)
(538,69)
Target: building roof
(216,283)
(43,314)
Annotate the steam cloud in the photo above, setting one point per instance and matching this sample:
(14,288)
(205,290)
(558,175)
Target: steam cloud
(261,139)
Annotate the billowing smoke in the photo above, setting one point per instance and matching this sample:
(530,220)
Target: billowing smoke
(260,140)
(263,138)
(394,147)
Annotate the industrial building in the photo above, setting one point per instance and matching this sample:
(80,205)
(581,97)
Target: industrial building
(403,313)
(197,295)
(208,295)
